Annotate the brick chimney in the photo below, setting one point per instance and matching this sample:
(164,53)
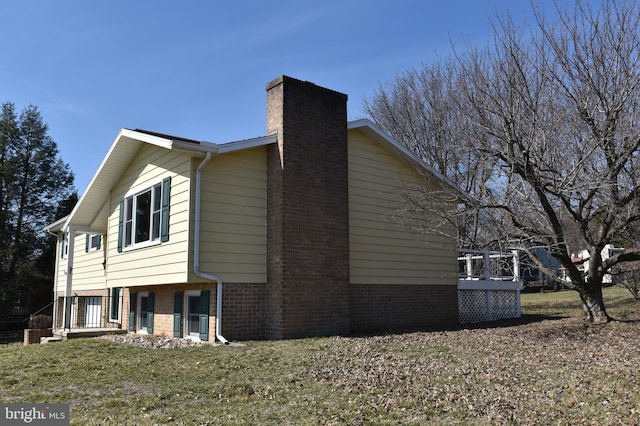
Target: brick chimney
(307,211)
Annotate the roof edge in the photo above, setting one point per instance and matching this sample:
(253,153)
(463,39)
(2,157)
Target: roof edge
(247,143)
(372,127)
(56,226)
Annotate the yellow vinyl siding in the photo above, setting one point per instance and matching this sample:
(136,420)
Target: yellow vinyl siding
(162,263)
(88,272)
(381,249)
(233,239)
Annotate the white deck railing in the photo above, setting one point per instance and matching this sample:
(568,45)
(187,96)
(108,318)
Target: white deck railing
(488,285)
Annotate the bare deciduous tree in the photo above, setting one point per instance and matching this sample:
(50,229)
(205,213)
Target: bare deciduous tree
(421,109)
(546,120)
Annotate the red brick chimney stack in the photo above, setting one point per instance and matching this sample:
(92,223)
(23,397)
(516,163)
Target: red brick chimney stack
(307,211)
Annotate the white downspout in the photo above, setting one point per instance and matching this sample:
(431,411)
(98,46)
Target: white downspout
(66,308)
(196,254)
(55,282)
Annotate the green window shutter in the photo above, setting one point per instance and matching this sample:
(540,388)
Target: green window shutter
(204,315)
(177,314)
(121,226)
(99,242)
(150,307)
(132,311)
(166,198)
(86,243)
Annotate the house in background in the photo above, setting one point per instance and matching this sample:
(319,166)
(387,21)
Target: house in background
(283,236)
(609,250)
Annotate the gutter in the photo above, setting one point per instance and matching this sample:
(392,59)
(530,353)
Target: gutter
(196,254)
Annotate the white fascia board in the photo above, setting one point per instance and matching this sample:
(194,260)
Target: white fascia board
(56,226)
(247,143)
(145,137)
(102,163)
(172,144)
(200,148)
(121,133)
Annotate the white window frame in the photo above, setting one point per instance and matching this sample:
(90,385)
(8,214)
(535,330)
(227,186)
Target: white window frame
(118,319)
(130,218)
(187,335)
(65,245)
(94,242)
(139,329)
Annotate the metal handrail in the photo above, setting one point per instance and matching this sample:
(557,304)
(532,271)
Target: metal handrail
(40,310)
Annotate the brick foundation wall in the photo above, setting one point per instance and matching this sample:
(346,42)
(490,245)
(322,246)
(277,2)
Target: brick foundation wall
(307,211)
(163,306)
(243,311)
(243,308)
(402,307)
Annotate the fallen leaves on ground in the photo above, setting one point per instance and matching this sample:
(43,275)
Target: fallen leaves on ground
(555,371)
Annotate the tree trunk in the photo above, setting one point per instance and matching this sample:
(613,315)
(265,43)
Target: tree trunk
(593,304)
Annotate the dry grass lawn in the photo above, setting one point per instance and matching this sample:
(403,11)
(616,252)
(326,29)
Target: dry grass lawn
(548,368)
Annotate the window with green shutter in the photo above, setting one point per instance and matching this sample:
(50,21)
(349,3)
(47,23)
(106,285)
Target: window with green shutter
(144,217)
(92,242)
(196,314)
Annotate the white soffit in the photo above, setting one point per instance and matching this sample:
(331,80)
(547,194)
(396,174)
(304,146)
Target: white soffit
(90,212)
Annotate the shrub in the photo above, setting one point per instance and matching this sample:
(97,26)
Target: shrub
(40,321)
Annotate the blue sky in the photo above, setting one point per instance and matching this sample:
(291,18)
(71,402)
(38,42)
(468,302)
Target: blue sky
(198,68)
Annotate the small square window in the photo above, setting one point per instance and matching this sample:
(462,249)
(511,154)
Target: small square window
(94,242)
(65,245)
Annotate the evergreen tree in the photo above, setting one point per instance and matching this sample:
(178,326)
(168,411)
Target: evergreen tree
(34,181)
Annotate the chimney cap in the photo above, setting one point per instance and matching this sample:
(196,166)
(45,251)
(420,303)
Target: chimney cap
(286,79)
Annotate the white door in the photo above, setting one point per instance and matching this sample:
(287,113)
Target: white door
(92,312)
(73,312)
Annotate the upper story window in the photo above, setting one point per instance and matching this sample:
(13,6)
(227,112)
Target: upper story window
(144,217)
(64,250)
(92,242)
